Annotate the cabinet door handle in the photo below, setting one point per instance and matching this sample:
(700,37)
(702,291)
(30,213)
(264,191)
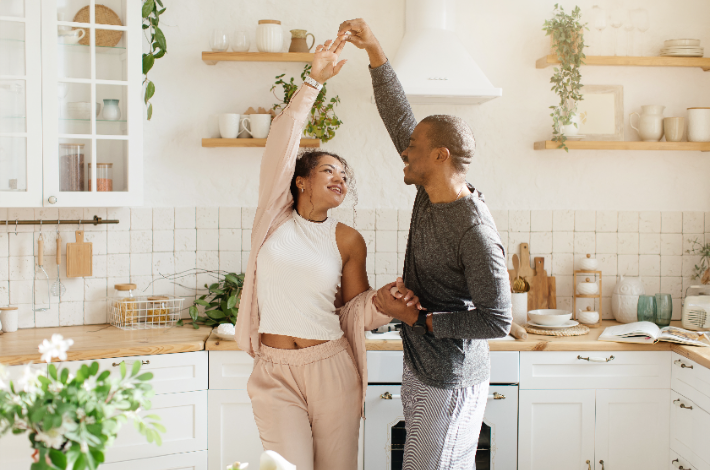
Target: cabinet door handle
(602,462)
(496,396)
(677,465)
(145,363)
(596,359)
(682,405)
(589,465)
(389,396)
(682,364)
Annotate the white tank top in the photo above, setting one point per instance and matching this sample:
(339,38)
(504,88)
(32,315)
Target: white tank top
(298,273)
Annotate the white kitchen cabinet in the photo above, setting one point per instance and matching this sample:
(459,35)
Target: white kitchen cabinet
(186,461)
(691,380)
(689,431)
(49,151)
(230,370)
(233,435)
(678,462)
(632,429)
(556,429)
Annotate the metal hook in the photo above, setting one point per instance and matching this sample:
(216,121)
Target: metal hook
(15,227)
(40,230)
(58,222)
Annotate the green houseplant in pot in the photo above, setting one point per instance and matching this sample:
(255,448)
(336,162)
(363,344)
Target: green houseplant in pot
(567,33)
(221,303)
(323,122)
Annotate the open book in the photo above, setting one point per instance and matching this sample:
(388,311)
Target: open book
(648,333)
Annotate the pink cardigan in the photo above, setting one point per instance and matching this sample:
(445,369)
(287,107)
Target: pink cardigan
(275,207)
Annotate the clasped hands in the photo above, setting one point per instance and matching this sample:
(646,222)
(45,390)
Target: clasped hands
(395,300)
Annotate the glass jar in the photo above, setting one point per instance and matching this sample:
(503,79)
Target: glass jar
(126,304)
(646,308)
(664,310)
(158,310)
(104,177)
(71,167)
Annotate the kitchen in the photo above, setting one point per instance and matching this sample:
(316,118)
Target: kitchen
(636,210)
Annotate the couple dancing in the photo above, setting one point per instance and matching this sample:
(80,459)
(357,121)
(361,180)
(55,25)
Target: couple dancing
(307,302)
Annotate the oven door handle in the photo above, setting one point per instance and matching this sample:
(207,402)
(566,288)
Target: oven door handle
(496,396)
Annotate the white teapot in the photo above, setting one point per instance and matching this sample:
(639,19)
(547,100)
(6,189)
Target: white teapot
(624,300)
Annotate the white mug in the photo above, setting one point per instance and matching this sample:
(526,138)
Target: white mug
(244,130)
(73,36)
(10,320)
(259,125)
(698,124)
(229,125)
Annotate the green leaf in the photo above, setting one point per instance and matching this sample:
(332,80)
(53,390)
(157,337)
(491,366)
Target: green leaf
(58,458)
(94,369)
(179,322)
(145,376)
(136,368)
(150,111)
(123,369)
(149,91)
(37,414)
(148,61)
(232,302)
(159,54)
(147,8)
(52,371)
(64,376)
(204,303)
(160,38)
(145,26)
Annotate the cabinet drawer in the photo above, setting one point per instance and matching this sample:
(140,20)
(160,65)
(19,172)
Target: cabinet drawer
(573,370)
(179,372)
(186,461)
(230,370)
(689,430)
(184,416)
(678,462)
(692,380)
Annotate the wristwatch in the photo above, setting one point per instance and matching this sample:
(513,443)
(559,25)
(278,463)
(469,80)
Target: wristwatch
(419,326)
(313,83)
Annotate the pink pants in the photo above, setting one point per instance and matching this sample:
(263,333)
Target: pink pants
(307,404)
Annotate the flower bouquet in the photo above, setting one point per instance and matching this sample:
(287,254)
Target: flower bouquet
(72,420)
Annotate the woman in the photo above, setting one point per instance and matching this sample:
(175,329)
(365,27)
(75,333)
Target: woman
(307,386)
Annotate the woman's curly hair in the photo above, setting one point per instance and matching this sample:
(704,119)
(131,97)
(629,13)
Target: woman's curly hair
(308,160)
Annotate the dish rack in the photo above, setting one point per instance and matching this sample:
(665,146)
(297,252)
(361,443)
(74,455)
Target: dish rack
(144,312)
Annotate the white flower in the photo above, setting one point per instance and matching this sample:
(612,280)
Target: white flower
(237,466)
(29,382)
(55,387)
(20,424)
(80,413)
(53,438)
(84,447)
(90,420)
(51,409)
(58,347)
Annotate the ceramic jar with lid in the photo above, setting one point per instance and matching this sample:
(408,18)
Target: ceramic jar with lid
(588,263)
(587,317)
(126,304)
(9,318)
(588,287)
(625,299)
(699,124)
(269,36)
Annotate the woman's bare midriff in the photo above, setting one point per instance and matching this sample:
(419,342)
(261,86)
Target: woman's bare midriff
(288,342)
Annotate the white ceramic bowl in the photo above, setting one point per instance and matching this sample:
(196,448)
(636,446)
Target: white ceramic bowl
(588,264)
(587,288)
(681,42)
(549,317)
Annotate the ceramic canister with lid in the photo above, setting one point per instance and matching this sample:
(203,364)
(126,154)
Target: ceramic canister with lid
(9,318)
(699,124)
(269,36)
(588,263)
(624,300)
(127,309)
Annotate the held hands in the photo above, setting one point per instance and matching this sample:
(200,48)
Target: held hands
(360,34)
(395,300)
(325,63)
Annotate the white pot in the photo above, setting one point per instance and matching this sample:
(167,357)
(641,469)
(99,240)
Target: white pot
(587,288)
(699,124)
(269,36)
(588,317)
(571,128)
(624,300)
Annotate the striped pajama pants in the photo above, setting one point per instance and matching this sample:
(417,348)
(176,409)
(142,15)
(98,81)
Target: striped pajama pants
(442,425)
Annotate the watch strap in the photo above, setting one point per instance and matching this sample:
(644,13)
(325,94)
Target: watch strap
(313,83)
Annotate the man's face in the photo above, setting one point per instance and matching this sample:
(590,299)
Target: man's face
(418,157)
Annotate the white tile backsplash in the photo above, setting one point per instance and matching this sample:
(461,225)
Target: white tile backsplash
(519,221)
(671,222)
(207,217)
(628,221)
(693,222)
(563,221)
(607,221)
(163,218)
(650,222)
(540,221)
(584,221)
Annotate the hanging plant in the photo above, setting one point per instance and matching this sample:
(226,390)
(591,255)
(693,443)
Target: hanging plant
(323,122)
(567,34)
(157,44)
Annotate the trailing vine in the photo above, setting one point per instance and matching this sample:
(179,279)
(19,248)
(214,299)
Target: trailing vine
(157,44)
(568,43)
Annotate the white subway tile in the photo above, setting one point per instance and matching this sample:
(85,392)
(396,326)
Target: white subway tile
(652,285)
(4,244)
(89,214)
(677,309)
(20,292)
(584,221)
(118,242)
(584,242)
(95,313)
(564,303)
(248,214)
(185,217)
(607,221)
(564,286)
(650,265)
(386,241)
(707,222)
(650,243)
(185,260)
(689,263)
(75,290)
(123,215)
(162,286)
(400,264)
(562,264)
(207,239)
(629,221)
(541,242)
(671,244)
(504,240)
(230,217)
(671,222)
(386,219)
(144,284)
(650,222)
(141,264)
(97,240)
(382,279)
(515,239)
(673,286)
(118,265)
(628,244)
(541,221)
(50,243)
(369,236)
(163,264)
(163,240)
(163,218)
(563,221)
(22,268)
(230,261)
(365,219)
(629,265)
(208,260)
(21,213)
(404,217)
(99,266)
(141,218)
(370,264)
(693,222)
(607,243)
(608,264)
(49,318)
(4,270)
(207,217)
(386,263)
(230,240)
(519,221)
(46,214)
(71,313)
(499,217)
(186,239)
(344,215)
(402,237)
(562,242)
(671,266)
(141,241)
(692,243)
(95,289)
(21,244)
(246,240)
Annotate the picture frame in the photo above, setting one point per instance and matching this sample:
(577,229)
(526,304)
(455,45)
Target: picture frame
(601,113)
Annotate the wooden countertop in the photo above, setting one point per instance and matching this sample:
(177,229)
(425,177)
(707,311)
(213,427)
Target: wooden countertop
(102,341)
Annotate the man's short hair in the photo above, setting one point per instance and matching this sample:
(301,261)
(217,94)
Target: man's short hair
(453,133)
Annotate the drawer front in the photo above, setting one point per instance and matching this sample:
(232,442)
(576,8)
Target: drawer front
(692,380)
(233,435)
(184,416)
(230,370)
(678,462)
(186,461)
(172,373)
(689,431)
(588,369)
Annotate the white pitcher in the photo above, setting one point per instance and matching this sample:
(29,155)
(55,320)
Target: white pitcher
(650,127)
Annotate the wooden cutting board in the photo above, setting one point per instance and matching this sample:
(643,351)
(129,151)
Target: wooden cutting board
(79,257)
(537,297)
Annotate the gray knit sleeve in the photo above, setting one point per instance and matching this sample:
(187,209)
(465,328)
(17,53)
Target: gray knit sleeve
(393,105)
(485,267)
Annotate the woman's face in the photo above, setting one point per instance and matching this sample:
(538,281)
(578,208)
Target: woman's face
(327,185)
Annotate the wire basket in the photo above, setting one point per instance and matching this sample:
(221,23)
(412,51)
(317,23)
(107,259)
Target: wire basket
(144,312)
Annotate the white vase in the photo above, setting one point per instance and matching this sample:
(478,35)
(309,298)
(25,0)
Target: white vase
(269,36)
(111,110)
(624,300)
(573,127)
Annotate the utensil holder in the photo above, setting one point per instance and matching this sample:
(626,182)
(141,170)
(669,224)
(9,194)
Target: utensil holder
(519,303)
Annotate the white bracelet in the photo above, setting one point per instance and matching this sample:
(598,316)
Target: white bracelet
(314,83)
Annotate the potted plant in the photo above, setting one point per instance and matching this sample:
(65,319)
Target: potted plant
(702,270)
(567,33)
(223,304)
(72,420)
(323,122)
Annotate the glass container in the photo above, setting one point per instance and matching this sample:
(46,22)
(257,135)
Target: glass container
(158,310)
(71,167)
(646,308)
(126,304)
(104,177)
(664,309)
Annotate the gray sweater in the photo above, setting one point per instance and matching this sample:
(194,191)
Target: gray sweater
(455,263)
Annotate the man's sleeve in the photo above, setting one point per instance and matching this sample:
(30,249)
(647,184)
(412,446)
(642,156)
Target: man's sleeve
(393,105)
(483,259)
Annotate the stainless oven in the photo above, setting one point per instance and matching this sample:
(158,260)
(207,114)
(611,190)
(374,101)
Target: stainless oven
(384,432)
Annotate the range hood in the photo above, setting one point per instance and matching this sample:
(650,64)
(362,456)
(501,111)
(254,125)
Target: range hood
(432,63)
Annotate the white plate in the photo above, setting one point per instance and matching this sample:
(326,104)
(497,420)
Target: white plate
(680,54)
(567,324)
(682,42)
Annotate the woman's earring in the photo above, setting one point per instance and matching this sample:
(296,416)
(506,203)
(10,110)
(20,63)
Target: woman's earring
(302,189)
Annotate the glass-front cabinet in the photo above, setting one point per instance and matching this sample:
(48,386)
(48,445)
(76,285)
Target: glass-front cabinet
(83,146)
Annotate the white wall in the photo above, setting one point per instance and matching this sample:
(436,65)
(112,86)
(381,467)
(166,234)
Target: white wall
(505,37)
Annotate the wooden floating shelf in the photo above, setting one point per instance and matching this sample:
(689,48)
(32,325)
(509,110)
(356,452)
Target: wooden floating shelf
(701,62)
(212,58)
(607,145)
(214,143)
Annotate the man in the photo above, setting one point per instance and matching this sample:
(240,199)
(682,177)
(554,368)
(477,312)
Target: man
(455,265)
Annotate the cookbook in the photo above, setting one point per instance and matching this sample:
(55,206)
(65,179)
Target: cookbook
(646,332)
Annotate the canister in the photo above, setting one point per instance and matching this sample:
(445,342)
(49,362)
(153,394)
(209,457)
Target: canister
(269,36)
(699,124)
